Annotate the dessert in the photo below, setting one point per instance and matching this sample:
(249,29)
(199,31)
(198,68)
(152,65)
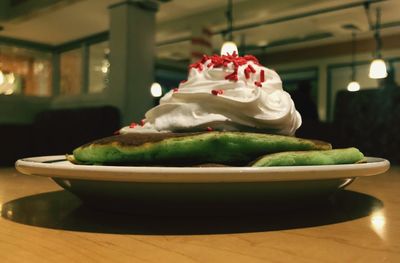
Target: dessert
(225,93)
(327,157)
(230,111)
(185,149)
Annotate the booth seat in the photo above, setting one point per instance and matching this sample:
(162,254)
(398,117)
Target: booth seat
(56,132)
(368,119)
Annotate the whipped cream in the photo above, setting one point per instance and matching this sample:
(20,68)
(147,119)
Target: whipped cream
(228,93)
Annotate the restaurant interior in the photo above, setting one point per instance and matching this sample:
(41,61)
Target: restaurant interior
(57,78)
(72,71)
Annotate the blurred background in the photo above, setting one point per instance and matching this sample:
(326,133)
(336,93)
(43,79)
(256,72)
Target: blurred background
(75,70)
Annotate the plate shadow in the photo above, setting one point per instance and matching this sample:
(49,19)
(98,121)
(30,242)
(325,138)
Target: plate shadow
(62,210)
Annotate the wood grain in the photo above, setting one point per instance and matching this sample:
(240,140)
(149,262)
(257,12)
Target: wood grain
(38,226)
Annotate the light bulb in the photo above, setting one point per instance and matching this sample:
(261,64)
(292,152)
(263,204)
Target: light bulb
(377,70)
(228,48)
(156,90)
(353,86)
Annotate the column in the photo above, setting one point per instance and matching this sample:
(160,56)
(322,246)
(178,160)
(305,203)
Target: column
(132,54)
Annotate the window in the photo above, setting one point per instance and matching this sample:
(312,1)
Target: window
(25,72)
(71,72)
(99,66)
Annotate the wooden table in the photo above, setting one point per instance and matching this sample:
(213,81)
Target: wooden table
(41,223)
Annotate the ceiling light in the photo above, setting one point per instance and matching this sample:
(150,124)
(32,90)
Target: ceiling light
(156,90)
(377,70)
(229,48)
(353,86)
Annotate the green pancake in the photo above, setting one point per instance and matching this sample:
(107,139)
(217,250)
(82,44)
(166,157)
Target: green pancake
(325,157)
(186,149)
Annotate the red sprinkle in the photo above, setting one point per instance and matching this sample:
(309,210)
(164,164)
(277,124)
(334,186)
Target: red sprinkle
(224,60)
(232,76)
(252,58)
(132,125)
(214,92)
(258,84)
(220,91)
(175,90)
(247,73)
(197,65)
(262,76)
(204,59)
(142,122)
(209,129)
(251,68)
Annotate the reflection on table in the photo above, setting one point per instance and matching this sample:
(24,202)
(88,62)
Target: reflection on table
(40,220)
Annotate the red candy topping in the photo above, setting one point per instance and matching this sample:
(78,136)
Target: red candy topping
(233,76)
(262,76)
(197,65)
(258,84)
(247,73)
(209,129)
(132,125)
(175,90)
(214,92)
(217,92)
(224,60)
(251,68)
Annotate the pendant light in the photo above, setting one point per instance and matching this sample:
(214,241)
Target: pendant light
(377,69)
(229,47)
(353,84)
(156,90)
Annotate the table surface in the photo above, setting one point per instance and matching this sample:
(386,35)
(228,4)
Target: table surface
(42,223)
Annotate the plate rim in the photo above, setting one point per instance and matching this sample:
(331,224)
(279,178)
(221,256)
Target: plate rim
(56,166)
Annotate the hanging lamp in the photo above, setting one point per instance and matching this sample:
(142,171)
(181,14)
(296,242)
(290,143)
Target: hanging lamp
(229,47)
(377,69)
(353,84)
(156,90)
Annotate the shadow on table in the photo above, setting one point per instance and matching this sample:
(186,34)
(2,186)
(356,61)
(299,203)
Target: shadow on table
(62,210)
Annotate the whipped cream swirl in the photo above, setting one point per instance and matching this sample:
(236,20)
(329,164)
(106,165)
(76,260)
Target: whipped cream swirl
(228,93)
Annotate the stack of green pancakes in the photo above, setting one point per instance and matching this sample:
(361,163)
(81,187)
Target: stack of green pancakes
(211,149)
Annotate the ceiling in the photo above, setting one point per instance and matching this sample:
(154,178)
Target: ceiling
(73,19)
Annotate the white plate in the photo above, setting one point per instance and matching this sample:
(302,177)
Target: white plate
(58,167)
(199,191)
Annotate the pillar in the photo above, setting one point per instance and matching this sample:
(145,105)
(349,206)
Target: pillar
(132,54)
